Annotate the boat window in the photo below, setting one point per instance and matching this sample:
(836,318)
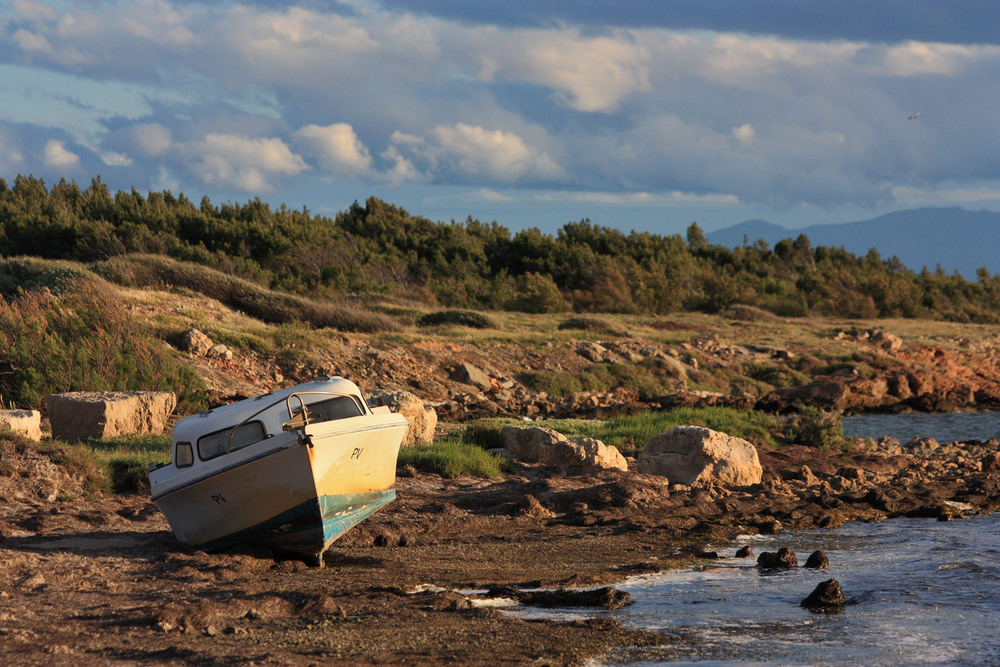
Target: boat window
(183,455)
(214,444)
(340,407)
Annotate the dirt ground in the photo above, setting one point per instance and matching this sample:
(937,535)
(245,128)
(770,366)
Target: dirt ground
(104,581)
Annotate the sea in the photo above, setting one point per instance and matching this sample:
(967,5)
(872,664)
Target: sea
(919,591)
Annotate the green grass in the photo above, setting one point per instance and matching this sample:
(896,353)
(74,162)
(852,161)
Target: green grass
(451,457)
(125,459)
(630,433)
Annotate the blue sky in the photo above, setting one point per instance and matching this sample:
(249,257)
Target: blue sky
(638,115)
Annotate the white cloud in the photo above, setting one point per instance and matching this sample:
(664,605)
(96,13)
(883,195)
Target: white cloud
(493,153)
(918,58)
(744,133)
(59,157)
(250,165)
(590,74)
(151,139)
(33,10)
(337,148)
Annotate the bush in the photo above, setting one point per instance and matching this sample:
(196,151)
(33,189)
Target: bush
(83,342)
(537,293)
(554,384)
(592,324)
(464,318)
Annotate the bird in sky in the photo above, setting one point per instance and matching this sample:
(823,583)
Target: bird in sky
(914,115)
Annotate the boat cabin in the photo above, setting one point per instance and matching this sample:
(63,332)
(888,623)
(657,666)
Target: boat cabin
(211,434)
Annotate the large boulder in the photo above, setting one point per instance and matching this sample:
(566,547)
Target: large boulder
(695,456)
(83,414)
(551,448)
(23,422)
(196,343)
(422,419)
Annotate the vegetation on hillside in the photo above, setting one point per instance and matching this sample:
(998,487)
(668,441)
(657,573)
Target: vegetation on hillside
(380,248)
(63,329)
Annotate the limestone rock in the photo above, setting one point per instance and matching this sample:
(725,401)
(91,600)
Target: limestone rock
(543,445)
(83,414)
(694,456)
(196,342)
(23,422)
(469,374)
(422,419)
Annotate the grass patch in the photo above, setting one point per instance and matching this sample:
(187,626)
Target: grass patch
(125,459)
(463,318)
(452,457)
(598,325)
(629,433)
(269,306)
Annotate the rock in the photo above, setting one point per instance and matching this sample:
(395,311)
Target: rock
(23,422)
(827,596)
(466,373)
(592,351)
(530,506)
(422,419)
(606,598)
(783,560)
(691,455)
(196,343)
(744,552)
(543,445)
(219,351)
(991,461)
(817,561)
(83,414)
(884,340)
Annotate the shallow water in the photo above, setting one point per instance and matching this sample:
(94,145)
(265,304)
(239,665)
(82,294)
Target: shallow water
(946,427)
(920,591)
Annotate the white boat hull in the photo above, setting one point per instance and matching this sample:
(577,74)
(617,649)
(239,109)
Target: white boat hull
(290,496)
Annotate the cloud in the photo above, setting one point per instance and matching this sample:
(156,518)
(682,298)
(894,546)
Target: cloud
(497,154)
(59,157)
(589,74)
(337,148)
(151,139)
(250,165)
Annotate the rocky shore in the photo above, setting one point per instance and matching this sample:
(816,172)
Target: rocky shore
(102,580)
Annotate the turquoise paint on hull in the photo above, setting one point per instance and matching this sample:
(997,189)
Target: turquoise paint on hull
(310,527)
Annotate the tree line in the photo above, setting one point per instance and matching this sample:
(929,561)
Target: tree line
(380,248)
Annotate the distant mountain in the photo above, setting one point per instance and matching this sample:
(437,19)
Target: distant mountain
(957,239)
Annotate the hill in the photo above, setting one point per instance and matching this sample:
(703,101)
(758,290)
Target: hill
(954,238)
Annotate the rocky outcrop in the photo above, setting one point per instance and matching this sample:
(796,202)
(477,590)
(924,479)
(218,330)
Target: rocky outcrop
(784,559)
(551,448)
(828,596)
(27,423)
(195,342)
(817,561)
(82,414)
(696,456)
(422,419)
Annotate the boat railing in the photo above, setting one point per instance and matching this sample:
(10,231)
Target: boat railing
(294,423)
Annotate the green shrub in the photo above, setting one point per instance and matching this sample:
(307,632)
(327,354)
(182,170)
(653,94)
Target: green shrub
(596,325)
(815,428)
(83,342)
(537,293)
(634,377)
(464,318)
(453,458)
(554,384)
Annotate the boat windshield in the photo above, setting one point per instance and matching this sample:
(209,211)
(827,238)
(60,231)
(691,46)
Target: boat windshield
(214,444)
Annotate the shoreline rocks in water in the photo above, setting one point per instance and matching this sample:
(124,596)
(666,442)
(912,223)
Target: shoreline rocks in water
(827,596)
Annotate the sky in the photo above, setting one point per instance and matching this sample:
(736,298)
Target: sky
(635,114)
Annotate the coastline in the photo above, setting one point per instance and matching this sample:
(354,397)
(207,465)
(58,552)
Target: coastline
(104,580)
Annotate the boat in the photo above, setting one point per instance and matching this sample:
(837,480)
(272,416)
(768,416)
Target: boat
(293,469)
